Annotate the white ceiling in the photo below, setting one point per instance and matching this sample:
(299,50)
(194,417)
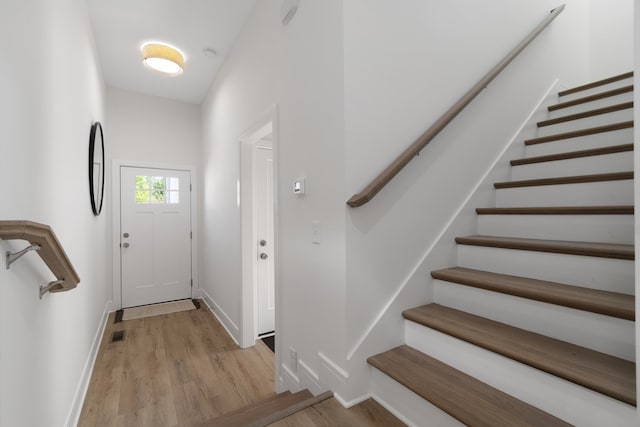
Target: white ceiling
(121,26)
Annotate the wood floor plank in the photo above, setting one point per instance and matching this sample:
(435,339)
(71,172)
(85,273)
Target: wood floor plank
(468,400)
(602,250)
(268,411)
(559,210)
(592,85)
(180,369)
(170,360)
(576,179)
(600,372)
(578,133)
(330,413)
(612,149)
(585,114)
(593,300)
(585,99)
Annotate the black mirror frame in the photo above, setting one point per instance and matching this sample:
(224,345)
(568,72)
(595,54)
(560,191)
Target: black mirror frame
(96,204)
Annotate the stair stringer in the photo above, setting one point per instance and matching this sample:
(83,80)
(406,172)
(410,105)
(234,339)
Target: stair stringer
(636,154)
(387,329)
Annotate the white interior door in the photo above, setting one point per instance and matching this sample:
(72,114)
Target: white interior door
(155,235)
(264,229)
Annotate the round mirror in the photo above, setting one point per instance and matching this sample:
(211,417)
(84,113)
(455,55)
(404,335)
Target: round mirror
(96,167)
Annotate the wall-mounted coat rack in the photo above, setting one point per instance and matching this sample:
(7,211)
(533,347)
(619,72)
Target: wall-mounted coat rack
(43,240)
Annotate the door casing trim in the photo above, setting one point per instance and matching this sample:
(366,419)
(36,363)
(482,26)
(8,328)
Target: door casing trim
(247,321)
(116,164)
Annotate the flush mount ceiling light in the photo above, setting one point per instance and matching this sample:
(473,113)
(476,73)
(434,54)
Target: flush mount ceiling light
(163,58)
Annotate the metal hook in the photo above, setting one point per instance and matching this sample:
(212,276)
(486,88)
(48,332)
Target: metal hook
(12,257)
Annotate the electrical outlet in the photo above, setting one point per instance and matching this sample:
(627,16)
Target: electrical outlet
(293,359)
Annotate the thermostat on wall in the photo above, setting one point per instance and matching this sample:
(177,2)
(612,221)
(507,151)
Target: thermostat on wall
(300,186)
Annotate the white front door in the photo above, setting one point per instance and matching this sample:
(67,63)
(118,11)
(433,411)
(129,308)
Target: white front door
(264,231)
(155,235)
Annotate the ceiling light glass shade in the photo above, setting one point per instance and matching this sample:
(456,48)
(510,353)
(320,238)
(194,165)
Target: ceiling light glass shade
(163,58)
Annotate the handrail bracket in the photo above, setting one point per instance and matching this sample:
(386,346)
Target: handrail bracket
(13,257)
(51,285)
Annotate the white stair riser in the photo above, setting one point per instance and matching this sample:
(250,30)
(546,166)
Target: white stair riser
(615,275)
(581,194)
(578,228)
(597,89)
(598,140)
(605,163)
(592,105)
(406,405)
(587,122)
(575,404)
(605,334)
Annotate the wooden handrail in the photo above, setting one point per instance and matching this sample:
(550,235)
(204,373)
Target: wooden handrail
(44,240)
(414,149)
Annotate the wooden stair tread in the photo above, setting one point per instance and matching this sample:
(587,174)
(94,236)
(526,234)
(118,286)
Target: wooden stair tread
(578,133)
(595,97)
(596,83)
(268,411)
(585,114)
(600,372)
(596,301)
(602,250)
(574,154)
(577,179)
(470,401)
(559,210)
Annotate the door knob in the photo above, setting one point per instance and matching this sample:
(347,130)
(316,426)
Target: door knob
(263,242)
(264,256)
(125,245)
(125,235)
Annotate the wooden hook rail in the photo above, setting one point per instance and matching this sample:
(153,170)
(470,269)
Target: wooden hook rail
(44,241)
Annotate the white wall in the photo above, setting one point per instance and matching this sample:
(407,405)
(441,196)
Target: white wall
(51,92)
(611,42)
(299,68)
(152,129)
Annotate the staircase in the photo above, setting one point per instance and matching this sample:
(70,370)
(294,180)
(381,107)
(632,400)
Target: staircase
(535,326)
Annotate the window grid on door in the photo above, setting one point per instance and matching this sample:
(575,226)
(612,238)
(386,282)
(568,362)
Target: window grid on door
(157,189)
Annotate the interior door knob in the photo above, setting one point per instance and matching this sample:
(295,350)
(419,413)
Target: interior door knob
(263,242)
(264,256)
(125,245)
(125,235)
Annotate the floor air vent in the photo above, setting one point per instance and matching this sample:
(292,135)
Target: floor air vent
(117,336)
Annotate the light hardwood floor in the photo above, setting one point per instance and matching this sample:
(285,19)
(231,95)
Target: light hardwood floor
(183,369)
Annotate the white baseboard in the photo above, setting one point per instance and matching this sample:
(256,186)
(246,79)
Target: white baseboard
(353,402)
(228,324)
(309,379)
(81,391)
(290,380)
(333,368)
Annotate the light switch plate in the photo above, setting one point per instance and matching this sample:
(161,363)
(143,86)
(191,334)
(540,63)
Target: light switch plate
(300,186)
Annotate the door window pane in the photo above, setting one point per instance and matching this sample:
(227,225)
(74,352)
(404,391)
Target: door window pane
(157,189)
